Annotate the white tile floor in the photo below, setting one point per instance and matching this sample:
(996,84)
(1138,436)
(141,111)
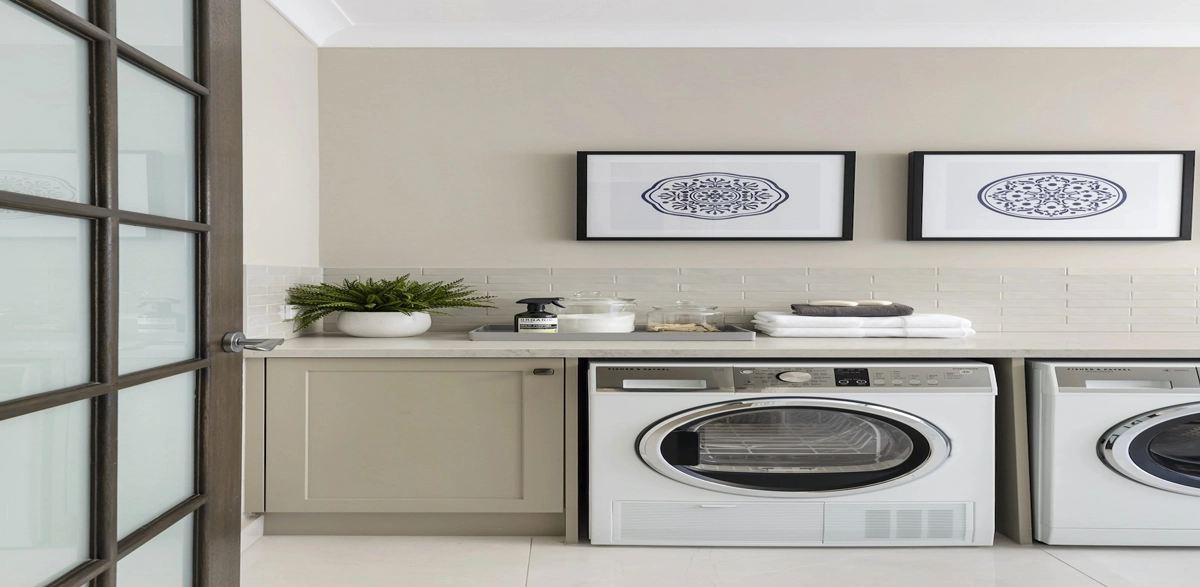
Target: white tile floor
(304,561)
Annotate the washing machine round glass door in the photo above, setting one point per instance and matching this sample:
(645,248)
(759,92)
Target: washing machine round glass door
(790,447)
(1160,449)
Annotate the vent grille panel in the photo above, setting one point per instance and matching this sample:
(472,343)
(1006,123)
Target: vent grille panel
(901,522)
(719,523)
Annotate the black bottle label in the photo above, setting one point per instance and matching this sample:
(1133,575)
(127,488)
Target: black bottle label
(544,325)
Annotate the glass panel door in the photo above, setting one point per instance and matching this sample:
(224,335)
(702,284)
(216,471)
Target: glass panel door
(120,247)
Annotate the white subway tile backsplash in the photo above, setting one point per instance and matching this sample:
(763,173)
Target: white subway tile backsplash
(875,271)
(1165,295)
(1129,320)
(1076,287)
(1131,303)
(1031,286)
(567,289)
(517,278)
(1006,320)
(1165,278)
(1000,271)
(648,287)
(265,288)
(790,279)
(1111,327)
(460,271)
(995,299)
(1166,311)
(1174,327)
(965,295)
(1060,295)
(706,287)
(622,271)
(672,279)
(1131,271)
(583,279)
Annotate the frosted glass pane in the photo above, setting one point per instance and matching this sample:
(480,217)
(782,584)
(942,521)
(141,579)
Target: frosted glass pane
(158,298)
(43,108)
(79,7)
(156,446)
(161,29)
(44,489)
(165,561)
(45,303)
(156,136)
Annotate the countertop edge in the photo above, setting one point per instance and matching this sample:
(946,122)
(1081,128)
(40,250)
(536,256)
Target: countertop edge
(996,346)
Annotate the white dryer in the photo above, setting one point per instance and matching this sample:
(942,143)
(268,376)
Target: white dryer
(791,453)
(1116,453)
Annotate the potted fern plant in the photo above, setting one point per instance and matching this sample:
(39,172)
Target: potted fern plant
(382,309)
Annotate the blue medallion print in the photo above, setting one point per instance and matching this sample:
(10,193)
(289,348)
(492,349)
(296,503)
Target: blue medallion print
(715,196)
(1052,195)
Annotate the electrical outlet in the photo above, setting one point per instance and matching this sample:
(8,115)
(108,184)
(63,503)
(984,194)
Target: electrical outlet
(288,311)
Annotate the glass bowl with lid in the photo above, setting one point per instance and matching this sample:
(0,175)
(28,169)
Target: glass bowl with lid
(685,316)
(591,311)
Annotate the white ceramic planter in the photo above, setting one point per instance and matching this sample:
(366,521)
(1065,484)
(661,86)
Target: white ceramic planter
(383,324)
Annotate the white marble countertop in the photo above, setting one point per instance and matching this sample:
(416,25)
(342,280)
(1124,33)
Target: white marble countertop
(986,345)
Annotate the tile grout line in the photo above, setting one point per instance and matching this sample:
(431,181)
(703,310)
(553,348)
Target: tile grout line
(1121,582)
(529,561)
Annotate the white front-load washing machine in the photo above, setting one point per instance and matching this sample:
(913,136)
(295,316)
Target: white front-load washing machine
(1116,453)
(798,453)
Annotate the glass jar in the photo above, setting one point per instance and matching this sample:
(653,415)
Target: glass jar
(685,317)
(589,311)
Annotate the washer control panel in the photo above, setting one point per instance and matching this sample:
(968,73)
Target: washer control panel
(756,377)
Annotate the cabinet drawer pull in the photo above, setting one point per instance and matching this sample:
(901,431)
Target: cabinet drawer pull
(543,371)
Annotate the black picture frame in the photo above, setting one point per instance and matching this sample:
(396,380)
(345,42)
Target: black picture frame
(916,204)
(581,204)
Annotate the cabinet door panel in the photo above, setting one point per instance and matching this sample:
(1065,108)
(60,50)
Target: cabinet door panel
(414,435)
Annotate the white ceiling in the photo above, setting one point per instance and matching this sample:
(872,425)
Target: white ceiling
(746,23)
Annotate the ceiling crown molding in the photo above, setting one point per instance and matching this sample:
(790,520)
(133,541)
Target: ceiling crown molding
(769,35)
(327,25)
(316,19)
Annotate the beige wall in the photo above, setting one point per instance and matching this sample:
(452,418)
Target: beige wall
(282,160)
(465,158)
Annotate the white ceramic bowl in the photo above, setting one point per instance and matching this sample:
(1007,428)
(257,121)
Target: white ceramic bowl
(383,324)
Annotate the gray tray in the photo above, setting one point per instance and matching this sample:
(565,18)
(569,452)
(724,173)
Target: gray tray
(505,332)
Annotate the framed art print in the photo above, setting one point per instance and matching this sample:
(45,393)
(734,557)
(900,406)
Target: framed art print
(1051,195)
(706,195)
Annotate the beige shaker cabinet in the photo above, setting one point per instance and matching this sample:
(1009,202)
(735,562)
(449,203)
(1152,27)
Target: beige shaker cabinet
(414,435)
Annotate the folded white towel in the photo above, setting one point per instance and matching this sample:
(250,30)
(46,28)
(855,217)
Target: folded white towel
(788,320)
(867,332)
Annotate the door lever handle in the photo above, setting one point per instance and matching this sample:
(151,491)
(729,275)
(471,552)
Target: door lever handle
(236,342)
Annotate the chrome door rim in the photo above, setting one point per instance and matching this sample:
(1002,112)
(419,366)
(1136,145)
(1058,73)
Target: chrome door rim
(651,440)
(1113,447)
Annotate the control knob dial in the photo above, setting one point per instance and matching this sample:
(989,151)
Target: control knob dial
(795,377)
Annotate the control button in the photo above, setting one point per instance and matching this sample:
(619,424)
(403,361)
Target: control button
(795,377)
(879,381)
(897,382)
(843,382)
(966,371)
(914,381)
(747,371)
(933,382)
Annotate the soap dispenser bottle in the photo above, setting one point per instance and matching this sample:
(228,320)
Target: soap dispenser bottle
(535,318)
